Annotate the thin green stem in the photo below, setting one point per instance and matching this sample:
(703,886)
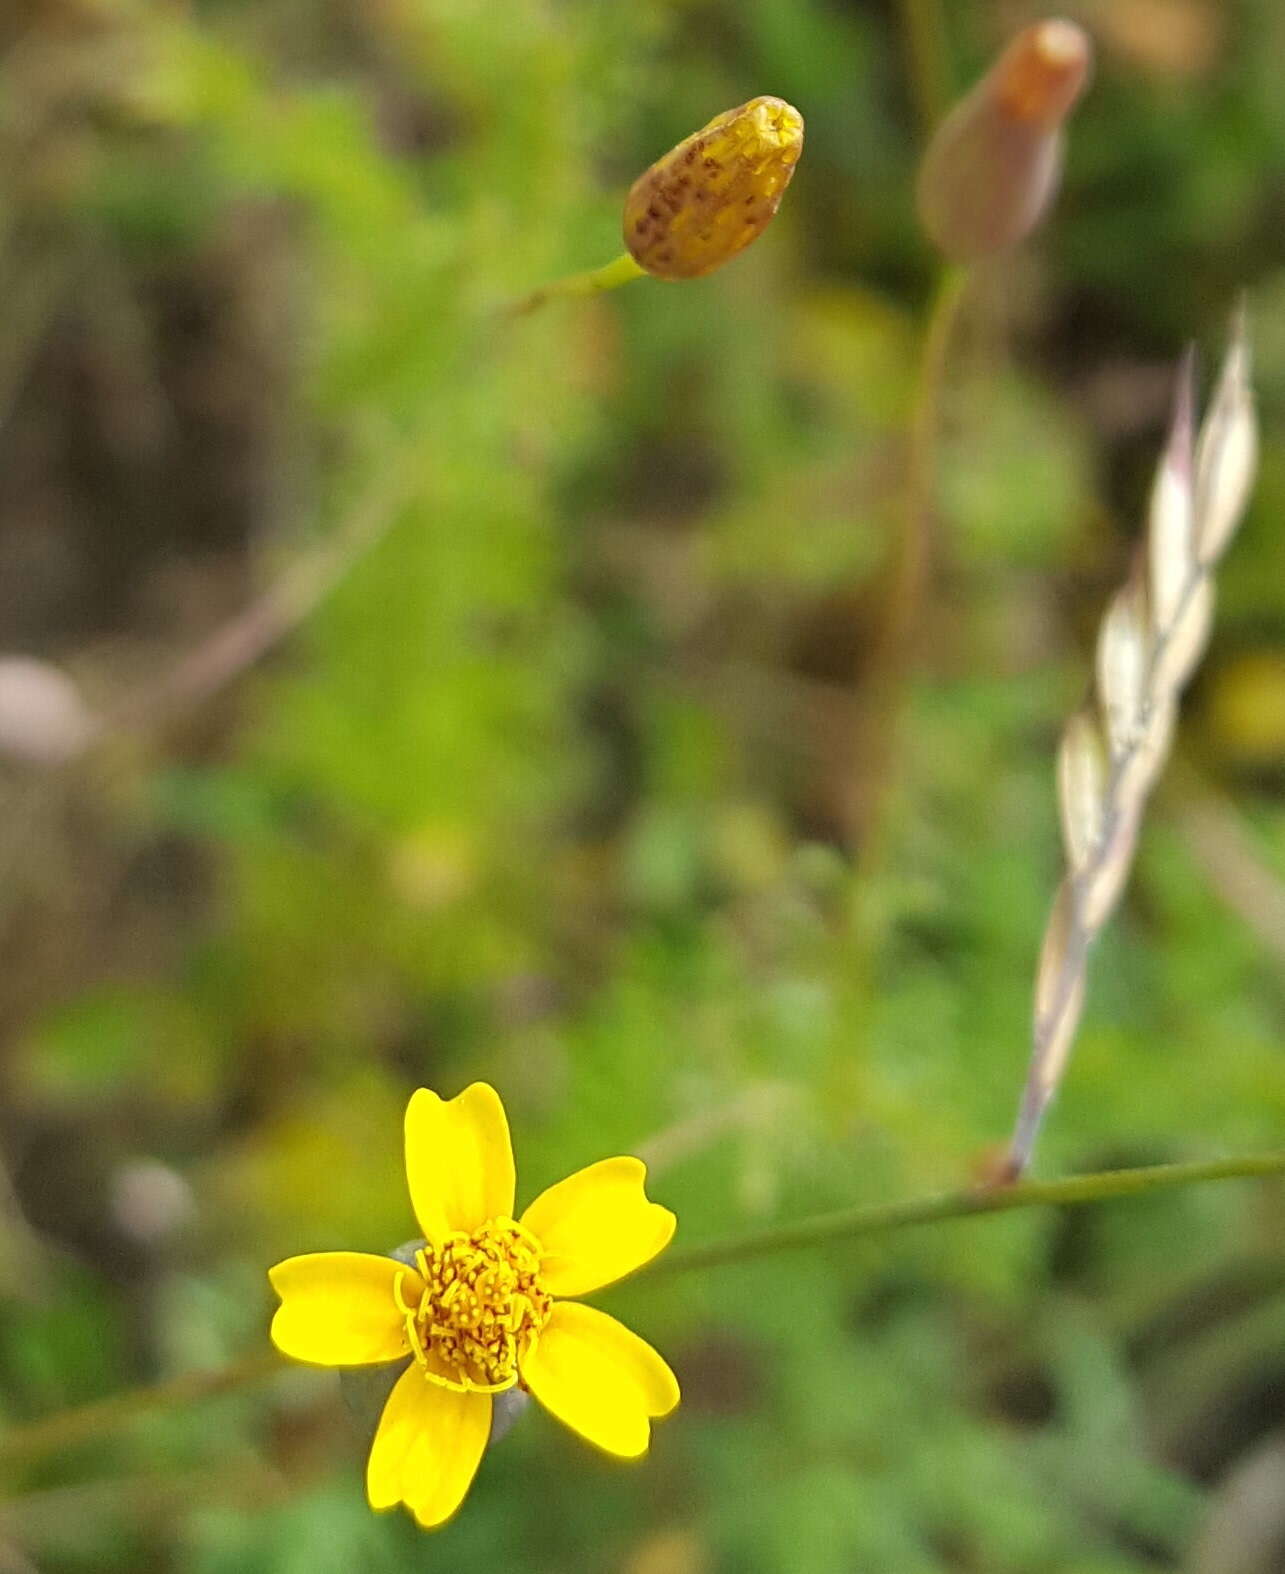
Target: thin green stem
(846,1224)
(609,277)
(68,1428)
(925,433)
(885,684)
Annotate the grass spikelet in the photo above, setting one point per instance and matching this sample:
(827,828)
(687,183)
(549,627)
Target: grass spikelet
(1114,748)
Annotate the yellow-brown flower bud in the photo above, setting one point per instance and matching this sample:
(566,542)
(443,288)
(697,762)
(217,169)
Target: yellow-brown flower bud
(992,168)
(709,197)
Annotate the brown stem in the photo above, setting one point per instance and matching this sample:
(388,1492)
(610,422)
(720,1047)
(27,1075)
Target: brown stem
(888,677)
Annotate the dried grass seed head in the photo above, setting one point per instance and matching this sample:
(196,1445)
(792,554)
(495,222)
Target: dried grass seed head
(1113,750)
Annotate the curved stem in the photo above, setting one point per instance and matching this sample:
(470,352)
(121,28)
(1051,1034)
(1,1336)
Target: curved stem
(68,1428)
(593,282)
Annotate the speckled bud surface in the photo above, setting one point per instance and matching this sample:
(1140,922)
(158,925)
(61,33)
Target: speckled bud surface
(713,194)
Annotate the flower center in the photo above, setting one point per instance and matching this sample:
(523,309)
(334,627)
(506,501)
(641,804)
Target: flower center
(482,1306)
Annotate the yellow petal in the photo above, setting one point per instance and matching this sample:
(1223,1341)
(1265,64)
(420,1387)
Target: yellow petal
(459,1161)
(600,1379)
(427,1447)
(339,1309)
(596,1226)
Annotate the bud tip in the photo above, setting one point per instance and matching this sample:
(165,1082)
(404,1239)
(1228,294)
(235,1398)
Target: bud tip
(1044,70)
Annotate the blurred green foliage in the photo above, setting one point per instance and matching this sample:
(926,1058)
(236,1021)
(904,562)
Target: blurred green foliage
(564,785)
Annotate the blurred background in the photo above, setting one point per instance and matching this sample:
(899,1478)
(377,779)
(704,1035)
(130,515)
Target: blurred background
(394,693)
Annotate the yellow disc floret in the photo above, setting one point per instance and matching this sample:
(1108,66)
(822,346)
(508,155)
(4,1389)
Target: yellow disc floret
(481,1308)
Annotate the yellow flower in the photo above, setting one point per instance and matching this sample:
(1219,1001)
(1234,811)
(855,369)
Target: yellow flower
(483,1308)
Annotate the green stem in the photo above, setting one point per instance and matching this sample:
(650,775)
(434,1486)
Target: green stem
(925,432)
(846,1224)
(885,684)
(68,1428)
(609,277)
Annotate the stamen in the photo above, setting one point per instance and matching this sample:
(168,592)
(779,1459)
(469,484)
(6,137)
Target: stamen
(417,1344)
(397,1295)
(482,1307)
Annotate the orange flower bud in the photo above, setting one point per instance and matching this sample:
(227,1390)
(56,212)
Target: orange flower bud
(709,197)
(992,168)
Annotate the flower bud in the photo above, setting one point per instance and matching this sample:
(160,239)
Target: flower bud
(992,168)
(709,197)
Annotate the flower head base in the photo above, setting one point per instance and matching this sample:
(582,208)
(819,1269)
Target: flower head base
(713,194)
(481,1307)
(484,1308)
